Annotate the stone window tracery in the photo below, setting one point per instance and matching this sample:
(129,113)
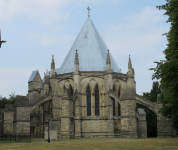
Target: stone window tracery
(71,89)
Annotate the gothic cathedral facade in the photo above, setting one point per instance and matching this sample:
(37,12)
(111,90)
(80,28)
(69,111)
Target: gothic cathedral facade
(87,96)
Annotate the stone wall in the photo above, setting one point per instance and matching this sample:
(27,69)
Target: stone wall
(128,119)
(141,123)
(8,122)
(1,124)
(94,128)
(22,122)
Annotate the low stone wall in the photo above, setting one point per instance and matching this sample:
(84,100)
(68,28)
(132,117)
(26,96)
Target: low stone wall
(8,122)
(93,128)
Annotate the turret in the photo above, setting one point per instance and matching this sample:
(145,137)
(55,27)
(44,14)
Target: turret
(52,67)
(34,84)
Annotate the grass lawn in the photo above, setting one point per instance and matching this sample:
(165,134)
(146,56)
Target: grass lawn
(96,143)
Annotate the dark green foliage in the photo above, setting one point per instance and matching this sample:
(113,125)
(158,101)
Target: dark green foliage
(151,117)
(167,70)
(4,100)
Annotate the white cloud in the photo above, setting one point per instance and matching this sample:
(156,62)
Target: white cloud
(42,10)
(48,40)
(136,33)
(16,80)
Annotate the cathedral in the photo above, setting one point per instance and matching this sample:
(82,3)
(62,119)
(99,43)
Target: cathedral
(88,96)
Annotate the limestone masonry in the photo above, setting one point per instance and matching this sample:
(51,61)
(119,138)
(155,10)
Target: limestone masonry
(87,96)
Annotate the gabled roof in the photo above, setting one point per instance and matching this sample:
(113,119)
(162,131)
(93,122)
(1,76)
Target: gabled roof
(32,77)
(92,52)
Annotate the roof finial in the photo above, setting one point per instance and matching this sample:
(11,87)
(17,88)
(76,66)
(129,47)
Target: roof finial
(129,55)
(88,11)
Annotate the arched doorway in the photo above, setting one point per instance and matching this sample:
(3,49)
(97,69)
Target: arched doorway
(151,119)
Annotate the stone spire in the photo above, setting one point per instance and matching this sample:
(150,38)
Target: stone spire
(108,63)
(108,60)
(76,63)
(131,77)
(52,63)
(76,72)
(130,63)
(52,66)
(76,58)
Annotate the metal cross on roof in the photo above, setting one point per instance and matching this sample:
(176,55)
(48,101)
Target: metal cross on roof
(0,40)
(88,11)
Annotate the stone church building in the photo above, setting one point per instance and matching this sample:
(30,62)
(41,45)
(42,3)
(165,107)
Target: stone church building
(87,96)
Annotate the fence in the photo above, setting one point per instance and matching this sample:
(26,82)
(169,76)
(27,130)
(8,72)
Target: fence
(15,138)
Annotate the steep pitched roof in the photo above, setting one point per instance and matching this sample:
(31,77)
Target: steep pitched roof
(92,52)
(32,77)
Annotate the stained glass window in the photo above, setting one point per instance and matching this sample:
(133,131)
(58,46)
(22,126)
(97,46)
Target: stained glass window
(119,94)
(88,101)
(119,106)
(113,105)
(96,101)
(71,90)
(119,109)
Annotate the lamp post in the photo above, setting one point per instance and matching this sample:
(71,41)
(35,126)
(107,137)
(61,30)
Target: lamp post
(48,118)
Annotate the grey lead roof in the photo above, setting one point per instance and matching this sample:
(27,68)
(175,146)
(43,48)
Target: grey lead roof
(32,77)
(92,52)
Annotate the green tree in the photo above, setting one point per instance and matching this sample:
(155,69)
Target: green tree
(4,100)
(167,70)
(151,117)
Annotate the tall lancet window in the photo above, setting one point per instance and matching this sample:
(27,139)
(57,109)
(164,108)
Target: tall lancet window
(119,109)
(119,93)
(119,106)
(113,99)
(71,90)
(88,101)
(96,101)
(113,105)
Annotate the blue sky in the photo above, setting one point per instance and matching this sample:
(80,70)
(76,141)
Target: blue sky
(37,29)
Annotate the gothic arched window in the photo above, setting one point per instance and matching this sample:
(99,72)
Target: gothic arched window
(119,106)
(71,90)
(113,99)
(119,93)
(113,105)
(115,89)
(119,109)
(88,96)
(96,101)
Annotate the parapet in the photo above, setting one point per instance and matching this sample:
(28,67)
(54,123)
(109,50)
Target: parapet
(21,101)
